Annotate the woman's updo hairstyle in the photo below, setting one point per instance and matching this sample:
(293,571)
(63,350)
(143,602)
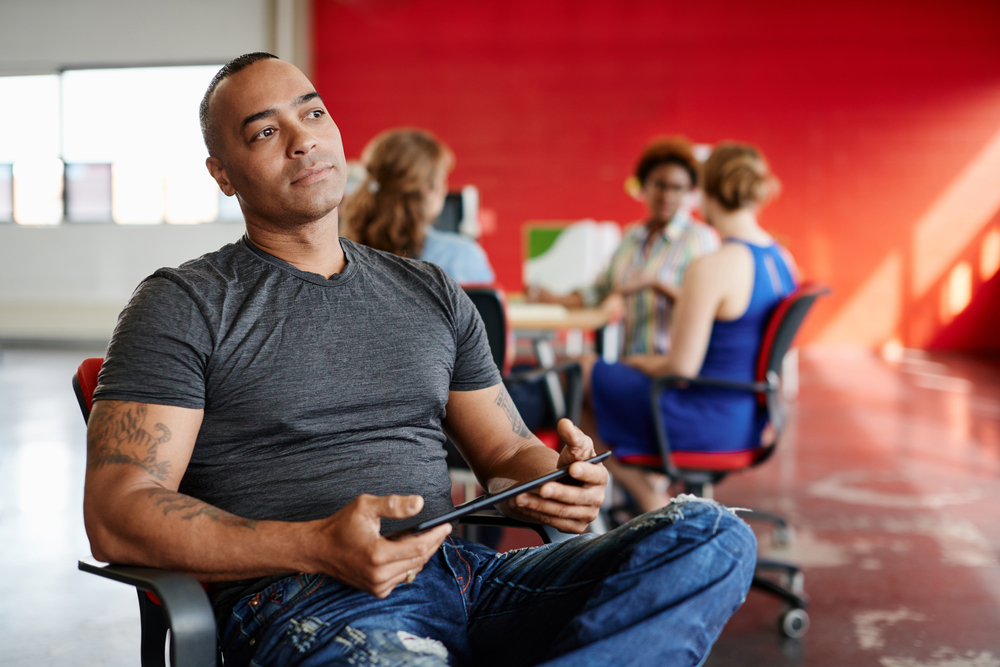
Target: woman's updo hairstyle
(737,175)
(667,150)
(387,210)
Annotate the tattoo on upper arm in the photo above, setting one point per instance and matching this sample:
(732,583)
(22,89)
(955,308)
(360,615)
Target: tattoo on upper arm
(118,436)
(189,508)
(516,423)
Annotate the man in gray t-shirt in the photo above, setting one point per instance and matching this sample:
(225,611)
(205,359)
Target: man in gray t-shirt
(267,411)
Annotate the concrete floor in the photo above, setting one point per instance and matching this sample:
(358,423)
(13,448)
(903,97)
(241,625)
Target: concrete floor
(890,473)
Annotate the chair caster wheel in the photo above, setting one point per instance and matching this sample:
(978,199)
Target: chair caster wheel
(794,623)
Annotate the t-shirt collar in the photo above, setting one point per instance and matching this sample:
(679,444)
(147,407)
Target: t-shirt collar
(350,264)
(674,228)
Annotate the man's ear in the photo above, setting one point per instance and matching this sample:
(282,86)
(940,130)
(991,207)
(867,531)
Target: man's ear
(218,172)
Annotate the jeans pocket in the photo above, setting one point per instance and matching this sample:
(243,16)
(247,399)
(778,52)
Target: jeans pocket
(253,615)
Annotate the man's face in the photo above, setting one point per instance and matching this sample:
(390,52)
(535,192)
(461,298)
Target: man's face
(278,150)
(664,190)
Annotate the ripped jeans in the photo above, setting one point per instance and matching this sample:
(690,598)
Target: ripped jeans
(655,591)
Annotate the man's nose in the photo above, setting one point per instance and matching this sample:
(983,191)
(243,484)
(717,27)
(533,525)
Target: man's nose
(300,141)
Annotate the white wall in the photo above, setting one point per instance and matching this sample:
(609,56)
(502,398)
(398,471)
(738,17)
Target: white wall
(70,281)
(40,36)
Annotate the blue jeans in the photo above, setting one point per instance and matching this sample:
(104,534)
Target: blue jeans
(655,591)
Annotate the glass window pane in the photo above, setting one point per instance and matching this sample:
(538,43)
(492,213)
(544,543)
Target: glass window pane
(149,113)
(31,104)
(6,193)
(144,121)
(88,192)
(38,191)
(190,194)
(136,193)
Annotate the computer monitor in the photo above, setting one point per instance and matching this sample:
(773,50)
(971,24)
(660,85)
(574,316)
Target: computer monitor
(451,215)
(460,214)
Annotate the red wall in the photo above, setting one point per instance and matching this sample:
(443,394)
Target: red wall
(868,111)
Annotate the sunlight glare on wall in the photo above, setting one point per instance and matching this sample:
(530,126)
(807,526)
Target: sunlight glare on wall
(989,255)
(957,291)
(956,218)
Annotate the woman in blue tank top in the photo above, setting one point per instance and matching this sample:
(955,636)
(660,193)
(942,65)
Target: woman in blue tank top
(717,327)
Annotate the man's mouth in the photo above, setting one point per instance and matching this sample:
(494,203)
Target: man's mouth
(312,174)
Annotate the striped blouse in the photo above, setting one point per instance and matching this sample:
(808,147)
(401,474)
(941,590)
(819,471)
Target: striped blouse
(647,312)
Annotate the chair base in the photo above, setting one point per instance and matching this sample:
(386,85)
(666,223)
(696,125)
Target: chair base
(783,580)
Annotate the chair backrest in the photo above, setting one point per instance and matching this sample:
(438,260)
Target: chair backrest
(85,382)
(492,307)
(782,326)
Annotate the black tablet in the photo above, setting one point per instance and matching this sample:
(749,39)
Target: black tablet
(488,500)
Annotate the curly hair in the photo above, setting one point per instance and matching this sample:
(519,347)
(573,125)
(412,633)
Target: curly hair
(388,209)
(737,175)
(667,150)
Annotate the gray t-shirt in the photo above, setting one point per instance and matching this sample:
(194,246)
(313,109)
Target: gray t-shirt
(314,390)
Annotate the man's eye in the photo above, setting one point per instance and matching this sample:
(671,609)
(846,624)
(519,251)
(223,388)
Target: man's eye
(265,133)
(315,113)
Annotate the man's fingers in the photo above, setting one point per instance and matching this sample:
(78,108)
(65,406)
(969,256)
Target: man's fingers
(589,495)
(567,518)
(395,507)
(415,549)
(580,446)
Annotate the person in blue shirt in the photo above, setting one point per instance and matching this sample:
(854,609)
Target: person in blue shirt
(401,196)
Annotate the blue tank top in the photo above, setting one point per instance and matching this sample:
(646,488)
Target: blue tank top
(708,419)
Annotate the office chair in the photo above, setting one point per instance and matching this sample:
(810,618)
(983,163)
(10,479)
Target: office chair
(700,471)
(177,602)
(562,401)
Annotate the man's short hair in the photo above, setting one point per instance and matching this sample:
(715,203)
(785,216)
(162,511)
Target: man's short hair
(209,131)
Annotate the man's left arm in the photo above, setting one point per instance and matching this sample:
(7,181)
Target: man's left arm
(487,428)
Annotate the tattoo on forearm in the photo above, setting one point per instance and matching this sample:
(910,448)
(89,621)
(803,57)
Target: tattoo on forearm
(118,436)
(516,423)
(189,508)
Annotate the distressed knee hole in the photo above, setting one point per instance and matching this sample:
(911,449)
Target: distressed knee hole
(674,512)
(303,633)
(382,647)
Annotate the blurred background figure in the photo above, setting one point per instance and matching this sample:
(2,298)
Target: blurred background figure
(646,271)
(718,324)
(403,192)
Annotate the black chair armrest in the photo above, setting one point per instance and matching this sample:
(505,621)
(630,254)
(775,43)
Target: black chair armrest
(185,605)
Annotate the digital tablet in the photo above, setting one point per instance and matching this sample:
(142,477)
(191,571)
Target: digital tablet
(488,500)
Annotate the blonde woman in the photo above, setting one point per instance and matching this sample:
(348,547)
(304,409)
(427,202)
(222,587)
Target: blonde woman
(402,194)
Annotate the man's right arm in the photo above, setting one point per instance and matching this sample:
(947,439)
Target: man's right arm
(136,457)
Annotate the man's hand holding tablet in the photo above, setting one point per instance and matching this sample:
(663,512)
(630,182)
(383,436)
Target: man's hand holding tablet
(488,500)
(568,508)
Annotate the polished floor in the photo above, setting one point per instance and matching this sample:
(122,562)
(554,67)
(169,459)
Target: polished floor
(890,472)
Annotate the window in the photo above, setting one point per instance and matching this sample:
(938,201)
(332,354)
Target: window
(103,145)
(29,152)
